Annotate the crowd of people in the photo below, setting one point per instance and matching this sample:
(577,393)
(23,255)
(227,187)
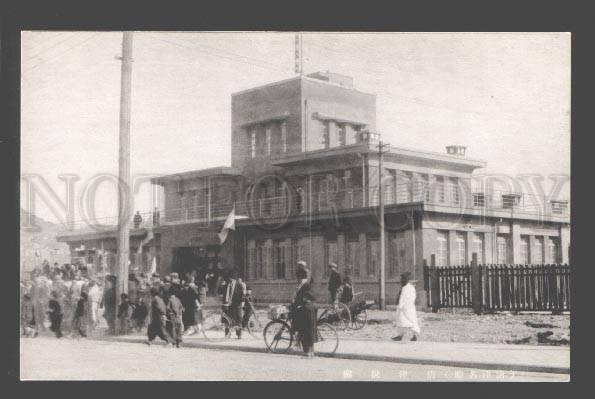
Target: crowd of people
(170,307)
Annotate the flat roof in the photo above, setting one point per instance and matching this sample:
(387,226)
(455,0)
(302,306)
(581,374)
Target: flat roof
(192,174)
(307,78)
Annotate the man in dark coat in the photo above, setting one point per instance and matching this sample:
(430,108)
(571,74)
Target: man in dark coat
(55,314)
(334,281)
(233,302)
(175,310)
(108,303)
(81,315)
(125,310)
(303,311)
(158,319)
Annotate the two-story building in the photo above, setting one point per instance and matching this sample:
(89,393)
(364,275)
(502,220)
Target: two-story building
(304,184)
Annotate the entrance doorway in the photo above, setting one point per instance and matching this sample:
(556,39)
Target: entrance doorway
(196,260)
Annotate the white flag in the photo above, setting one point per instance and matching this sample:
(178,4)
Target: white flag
(144,242)
(153,266)
(230,224)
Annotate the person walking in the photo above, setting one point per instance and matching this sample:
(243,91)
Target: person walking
(94,302)
(55,313)
(334,281)
(175,310)
(108,303)
(156,326)
(125,310)
(28,317)
(79,323)
(303,311)
(233,302)
(41,296)
(406,322)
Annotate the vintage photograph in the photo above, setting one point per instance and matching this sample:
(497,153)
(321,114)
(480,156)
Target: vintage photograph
(295,206)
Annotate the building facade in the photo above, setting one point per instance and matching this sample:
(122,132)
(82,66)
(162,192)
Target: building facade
(304,185)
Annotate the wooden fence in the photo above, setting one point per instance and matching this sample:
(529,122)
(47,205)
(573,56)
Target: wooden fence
(500,287)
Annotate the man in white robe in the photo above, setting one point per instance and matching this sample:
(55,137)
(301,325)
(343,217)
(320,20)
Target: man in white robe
(406,314)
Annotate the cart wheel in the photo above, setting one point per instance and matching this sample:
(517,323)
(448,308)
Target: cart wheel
(216,326)
(327,340)
(360,320)
(256,324)
(278,336)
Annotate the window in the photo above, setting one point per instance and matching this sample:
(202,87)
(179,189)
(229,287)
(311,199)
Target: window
(442,249)
(440,189)
(284,137)
(353,257)
(251,264)
(538,258)
(267,132)
(342,134)
(326,134)
(553,249)
(260,261)
(524,250)
(479,200)
(252,142)
(477,246)
(510,200)
(373,257)
(426,187)
(397,255)
(280,259)
(461,248)
(502,249)
(454,190)
(330,255)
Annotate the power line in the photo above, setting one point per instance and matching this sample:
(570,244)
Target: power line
(34,66)
(232,53)
(214,54)
(45,48)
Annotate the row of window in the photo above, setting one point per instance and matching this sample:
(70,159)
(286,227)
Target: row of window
(534,255)
(261,138)
(278,261)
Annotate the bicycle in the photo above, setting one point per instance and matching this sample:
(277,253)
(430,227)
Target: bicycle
(358,314)
(217,325)
(279,335)
(338,315)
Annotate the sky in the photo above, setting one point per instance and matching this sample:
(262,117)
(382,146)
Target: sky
(506,96)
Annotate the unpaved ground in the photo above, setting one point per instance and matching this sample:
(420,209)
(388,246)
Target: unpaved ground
(464,326)
(47,358)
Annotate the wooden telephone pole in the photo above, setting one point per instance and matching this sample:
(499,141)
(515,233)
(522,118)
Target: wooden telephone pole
(124,192)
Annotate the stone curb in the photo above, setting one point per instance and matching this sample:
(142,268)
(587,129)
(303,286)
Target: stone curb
(384,358)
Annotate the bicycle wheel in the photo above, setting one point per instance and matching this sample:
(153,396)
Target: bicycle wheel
(337,315)
(327,340)
(360,320)
(216,326)
(256,324)
(278,336)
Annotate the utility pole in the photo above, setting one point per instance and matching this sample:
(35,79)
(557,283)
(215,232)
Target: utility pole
(381,215)
(124,192)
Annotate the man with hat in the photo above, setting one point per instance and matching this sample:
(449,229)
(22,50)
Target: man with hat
(233,301)
(406,314)
(303,310)
(334,281)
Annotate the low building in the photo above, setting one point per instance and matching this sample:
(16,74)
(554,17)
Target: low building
(304,185)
